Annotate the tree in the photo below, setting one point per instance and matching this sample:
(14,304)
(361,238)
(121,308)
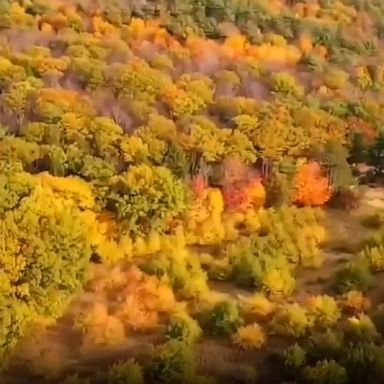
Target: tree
(147,198)
(285,85)
(311,187)
(46,246)
(16,149)
(189,95)
(106,136)
(51,104)
(334,155)
(137,81)
(17,98)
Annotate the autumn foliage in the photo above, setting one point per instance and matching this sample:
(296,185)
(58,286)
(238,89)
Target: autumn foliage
(149,149)
(312,188)
(242,186)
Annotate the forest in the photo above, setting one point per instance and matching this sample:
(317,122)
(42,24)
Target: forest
(184,191)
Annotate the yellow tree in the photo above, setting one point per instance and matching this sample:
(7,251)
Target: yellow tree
(189,95)
(137,81)
(44,253)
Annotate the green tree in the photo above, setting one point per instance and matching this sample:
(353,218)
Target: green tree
(147,197)
(174,362)
(225,318)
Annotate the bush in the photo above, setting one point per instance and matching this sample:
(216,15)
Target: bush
(291,320)
(354,276)
(173,362)
(354,302)
(225,318)
(278,283)
(325,372)
(323,310)
(125,372)
(182,269)
(360,328)
(325,345)
(294,357)
(182,327)
(249,337)
(336,79)
(258,305)
(288,236)
(374,257)
(364,362)
(98,328)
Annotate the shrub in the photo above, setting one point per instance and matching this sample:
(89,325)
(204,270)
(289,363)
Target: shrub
(325,344)
(125,372)
(291,320)
(325,372)
(181,268)
(364,362)
(141,299)
(278,283)
(360,328)
(374,257)
(355,302)
(174,361)
(44,359)
(290,236)
(294,357)
(99,328)
(323,310)
(258,305)
(225,318)
(182,327)
(354,276)
(249,337)
(243,263)
(336,79)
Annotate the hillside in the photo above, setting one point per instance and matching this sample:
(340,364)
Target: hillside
(191,191)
